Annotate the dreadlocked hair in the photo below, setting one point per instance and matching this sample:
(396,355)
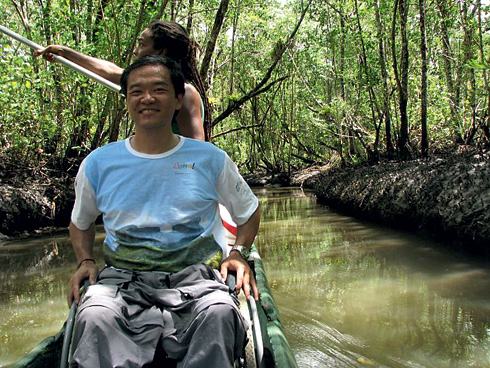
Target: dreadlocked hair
(180,47)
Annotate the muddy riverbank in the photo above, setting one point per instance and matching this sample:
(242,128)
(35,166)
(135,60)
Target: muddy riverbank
(446,196)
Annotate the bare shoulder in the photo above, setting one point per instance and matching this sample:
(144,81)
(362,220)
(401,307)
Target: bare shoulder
(191,92)
(192,100)
(189,118)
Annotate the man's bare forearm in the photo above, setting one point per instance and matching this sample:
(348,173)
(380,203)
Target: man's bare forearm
(103,68)
(247,232)
(82,242)
(235,262)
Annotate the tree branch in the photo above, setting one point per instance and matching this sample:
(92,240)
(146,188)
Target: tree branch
(237,129)
(259,87)
(232,106)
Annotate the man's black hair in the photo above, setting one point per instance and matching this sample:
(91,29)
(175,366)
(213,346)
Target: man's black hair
(176,74)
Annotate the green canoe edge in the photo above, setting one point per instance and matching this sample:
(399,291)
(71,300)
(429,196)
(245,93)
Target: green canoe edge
(45,354)
(272,331)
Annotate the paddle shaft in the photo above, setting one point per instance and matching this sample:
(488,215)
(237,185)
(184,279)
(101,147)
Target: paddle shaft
(62,60)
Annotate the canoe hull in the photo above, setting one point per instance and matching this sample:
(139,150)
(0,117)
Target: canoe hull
(46,354)
(278,351)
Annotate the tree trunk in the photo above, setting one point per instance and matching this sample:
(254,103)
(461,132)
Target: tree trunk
(98,19)
(348,133)
(136,32)
(447,58)
(102,118)
(423,81)
(51,146)
(384,76)
(372,152)
(233,36)
(402,77)
(118,111)
(485,124)
(468,79)
(190,16)
(161,10)
(218,23)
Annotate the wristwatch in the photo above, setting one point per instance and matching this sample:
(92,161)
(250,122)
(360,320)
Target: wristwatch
(243,250)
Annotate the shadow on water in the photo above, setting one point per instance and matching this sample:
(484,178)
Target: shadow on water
(350,294)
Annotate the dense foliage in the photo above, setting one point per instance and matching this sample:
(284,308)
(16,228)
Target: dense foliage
(351,81)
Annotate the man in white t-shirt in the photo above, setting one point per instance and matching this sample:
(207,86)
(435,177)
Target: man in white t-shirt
(159,194)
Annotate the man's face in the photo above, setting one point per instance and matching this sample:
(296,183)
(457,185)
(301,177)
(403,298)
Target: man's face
(145,46)
(151,97)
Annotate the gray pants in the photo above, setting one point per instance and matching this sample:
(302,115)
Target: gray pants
(126,317)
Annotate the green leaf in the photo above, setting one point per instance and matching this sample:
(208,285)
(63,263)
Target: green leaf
(475,64)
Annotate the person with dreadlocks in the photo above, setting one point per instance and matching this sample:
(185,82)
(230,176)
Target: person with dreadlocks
(159,38)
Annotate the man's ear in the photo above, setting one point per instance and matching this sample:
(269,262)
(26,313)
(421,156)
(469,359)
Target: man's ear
(180,101)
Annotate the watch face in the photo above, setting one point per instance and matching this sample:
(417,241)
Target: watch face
(244,252)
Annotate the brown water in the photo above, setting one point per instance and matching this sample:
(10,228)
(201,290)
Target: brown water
(350,294)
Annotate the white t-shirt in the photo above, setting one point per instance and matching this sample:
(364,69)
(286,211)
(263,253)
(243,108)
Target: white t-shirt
(161,211)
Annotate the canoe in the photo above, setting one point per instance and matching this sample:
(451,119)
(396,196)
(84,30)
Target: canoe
(276,349)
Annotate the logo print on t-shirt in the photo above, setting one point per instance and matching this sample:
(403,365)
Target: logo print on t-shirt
(183,166)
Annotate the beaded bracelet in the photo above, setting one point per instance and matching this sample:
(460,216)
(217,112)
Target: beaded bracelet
(84,260)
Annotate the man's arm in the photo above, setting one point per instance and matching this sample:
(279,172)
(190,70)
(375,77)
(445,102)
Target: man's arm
(189,118)
(234,262)
(103,68)
(82,243)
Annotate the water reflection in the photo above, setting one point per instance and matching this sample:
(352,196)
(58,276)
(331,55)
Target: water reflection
(33,279)
(350,294)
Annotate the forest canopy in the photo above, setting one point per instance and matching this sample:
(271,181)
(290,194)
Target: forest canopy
(290,83)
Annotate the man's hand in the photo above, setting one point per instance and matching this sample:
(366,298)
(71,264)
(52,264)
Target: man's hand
(87,270)
(48,52)
(244,275)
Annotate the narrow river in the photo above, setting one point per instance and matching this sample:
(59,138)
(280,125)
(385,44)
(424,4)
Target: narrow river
(350,294)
